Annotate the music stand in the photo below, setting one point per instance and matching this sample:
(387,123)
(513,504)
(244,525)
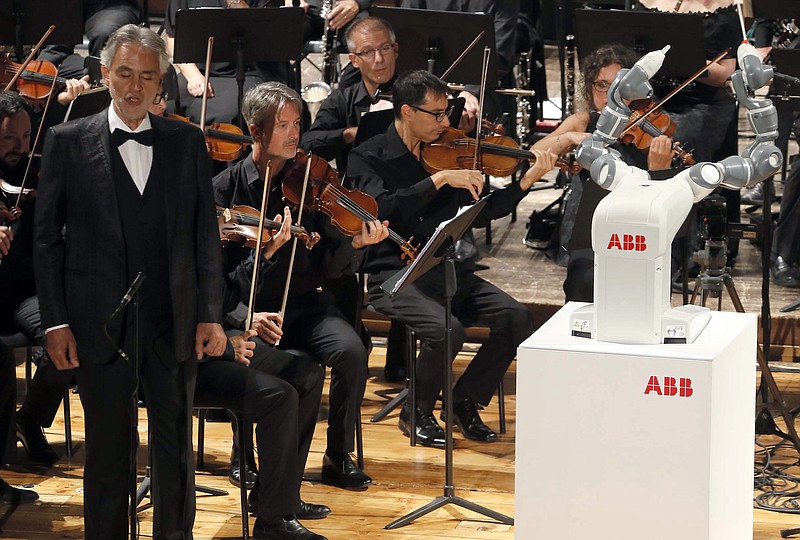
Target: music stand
(241,36)
(88,103)
(644,31)
(441,248)
(432,40)
(28,20)
(775,9)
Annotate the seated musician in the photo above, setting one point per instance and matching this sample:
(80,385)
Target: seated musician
(282,392)
(598,71)
(415,201)
(223,88)
(17,289)
(311,322)
(373,51)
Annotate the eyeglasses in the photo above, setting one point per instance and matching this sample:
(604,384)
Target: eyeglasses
(369,54)
(601,86)
(439,116)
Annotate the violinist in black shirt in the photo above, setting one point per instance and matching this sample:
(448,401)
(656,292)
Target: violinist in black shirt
(311,322)
(388,168)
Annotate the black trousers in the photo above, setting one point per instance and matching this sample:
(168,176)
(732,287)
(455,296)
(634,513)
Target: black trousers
(253,393)
(8,401)
(224,107)
(106,392)
(304,375)
(420,306)
(315,325)
(786,241)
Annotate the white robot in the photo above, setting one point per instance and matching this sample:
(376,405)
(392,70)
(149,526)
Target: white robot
(633,227)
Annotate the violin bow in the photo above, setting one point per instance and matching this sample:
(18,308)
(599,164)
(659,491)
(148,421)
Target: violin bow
(669,96)
(462,55)
(294,239)
(257,257)
(484,73)
(36,139)
(31,55)
(205,85)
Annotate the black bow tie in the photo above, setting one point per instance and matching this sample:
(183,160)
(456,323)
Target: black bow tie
(120,137)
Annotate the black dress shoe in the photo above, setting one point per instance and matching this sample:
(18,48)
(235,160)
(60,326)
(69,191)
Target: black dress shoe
(341,472)
(755,195)
(465,413)
(393,373)
(429,432)
(32,438)
(14,496)
(235,474)
(312,511)
(283,529)
(785,274)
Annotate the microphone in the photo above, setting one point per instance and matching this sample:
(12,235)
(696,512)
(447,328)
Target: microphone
(131,292)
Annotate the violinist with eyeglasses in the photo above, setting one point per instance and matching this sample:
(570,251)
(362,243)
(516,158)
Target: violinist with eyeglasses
(310,322)
(416,201)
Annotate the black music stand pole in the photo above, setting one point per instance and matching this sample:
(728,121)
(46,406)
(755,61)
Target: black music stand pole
(441,248)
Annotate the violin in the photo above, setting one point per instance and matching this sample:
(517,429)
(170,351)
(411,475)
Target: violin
(239,224)
(35,81)
(656,123)
(225,141)
(499,155)
(348,209)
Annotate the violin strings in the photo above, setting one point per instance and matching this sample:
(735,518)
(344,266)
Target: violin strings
(350,205)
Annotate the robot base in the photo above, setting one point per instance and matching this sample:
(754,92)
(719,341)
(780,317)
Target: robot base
(678,325)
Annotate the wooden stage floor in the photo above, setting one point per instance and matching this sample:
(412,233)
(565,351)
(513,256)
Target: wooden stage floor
(405,478)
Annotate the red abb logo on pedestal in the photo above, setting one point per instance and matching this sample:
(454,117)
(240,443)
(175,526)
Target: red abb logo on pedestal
(669,387)
(629,242)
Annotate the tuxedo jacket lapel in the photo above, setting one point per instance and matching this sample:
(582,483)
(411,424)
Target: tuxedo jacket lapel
(100,170)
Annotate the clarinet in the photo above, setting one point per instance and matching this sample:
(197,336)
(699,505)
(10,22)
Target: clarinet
(570,76)
(328,44)
(523,116)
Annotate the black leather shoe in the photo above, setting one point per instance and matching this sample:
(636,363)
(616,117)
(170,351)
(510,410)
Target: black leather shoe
(32,438)
(14,496)
(343,473)
(235,474)
(393,373)
(754,196)
(429,432)
(465,413)
(312,511)
(283,529)
(785,274)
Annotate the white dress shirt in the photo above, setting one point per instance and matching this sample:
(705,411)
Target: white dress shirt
(138,158)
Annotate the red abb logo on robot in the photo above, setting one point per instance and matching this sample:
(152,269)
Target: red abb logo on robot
(630,242)
(669,386)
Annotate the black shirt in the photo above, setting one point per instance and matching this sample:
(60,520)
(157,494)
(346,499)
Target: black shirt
(341,110)
(384,168)
(332,257)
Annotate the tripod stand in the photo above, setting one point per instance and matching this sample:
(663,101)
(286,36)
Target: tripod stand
(710,282)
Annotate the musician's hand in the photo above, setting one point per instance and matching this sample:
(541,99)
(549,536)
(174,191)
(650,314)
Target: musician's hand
(349,134)
(545,160)
(62,348)
(660,154)
(6,236)
(283,235)
(471,109)
(194,86)
(371,233)
(209,339)
(470,180)
(75,87)
(344,12)
(243,347)
(268,326)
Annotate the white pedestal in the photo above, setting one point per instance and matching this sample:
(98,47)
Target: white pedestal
(602,452)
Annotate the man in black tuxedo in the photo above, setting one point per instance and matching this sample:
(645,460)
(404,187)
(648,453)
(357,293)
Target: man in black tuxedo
(133,193)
